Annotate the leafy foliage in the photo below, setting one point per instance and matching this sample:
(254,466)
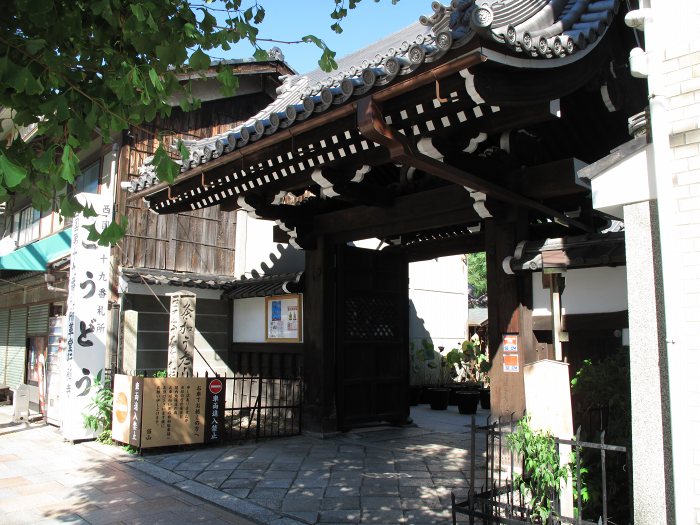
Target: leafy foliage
(75,71)
(603,387)
(544,474)
(98,418)
(470,361)
(476,263)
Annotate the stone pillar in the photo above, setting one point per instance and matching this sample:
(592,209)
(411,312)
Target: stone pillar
(183,307)
(651,416)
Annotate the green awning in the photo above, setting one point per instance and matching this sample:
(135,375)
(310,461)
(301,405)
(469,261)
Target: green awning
(35,257)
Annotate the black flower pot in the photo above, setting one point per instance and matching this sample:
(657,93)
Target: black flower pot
(485,398)
(439,398)
(453,393)
(467,401)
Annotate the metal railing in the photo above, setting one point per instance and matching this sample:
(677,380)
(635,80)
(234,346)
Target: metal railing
(262,407)
(257,406)
(499,499)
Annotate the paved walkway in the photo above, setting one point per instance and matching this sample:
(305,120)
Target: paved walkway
(375,475)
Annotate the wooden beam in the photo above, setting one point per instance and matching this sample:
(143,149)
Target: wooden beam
(371,124)
(423,251)
(356,192)
(427,210)
(552,180)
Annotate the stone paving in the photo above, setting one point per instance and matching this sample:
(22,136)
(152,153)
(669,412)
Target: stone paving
(376,475)
(379,475)
(45,480)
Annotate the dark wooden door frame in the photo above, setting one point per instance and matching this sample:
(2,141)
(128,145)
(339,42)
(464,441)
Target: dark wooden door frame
(371,337)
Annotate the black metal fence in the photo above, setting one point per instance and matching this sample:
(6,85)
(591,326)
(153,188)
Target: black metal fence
(499,500)
(262,407)
(257,406)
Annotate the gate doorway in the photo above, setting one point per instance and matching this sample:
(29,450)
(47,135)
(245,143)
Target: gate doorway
(371,337)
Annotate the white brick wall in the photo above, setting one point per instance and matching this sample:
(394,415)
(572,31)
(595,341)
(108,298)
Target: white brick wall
(682,80)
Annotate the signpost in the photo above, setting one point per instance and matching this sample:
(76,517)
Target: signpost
(159,412)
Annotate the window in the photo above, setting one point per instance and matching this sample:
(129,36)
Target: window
(25,225)
(89,181)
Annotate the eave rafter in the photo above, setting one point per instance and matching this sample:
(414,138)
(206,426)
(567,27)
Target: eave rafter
(424,245)
(373,126)
(352,186)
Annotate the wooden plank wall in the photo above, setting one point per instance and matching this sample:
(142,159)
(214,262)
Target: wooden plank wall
(200,241)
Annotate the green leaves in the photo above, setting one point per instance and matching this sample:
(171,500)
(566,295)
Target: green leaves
(166,168)
(228,81)
(11,174)
(112,234)
(544,474)
(171,54)
(327,61)
(199,60)
(138,11)
(77,71)
(69,206)
(22,81)
(70,165)
(34,45)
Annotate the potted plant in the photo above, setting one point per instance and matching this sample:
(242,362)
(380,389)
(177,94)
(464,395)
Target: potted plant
(471,365)
(439,396)
(422,357)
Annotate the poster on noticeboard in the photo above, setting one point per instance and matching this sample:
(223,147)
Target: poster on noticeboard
(283,318)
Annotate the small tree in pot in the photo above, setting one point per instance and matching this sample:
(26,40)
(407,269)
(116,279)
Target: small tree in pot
(471,365)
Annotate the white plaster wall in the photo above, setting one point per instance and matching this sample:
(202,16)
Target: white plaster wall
(588,291)
(249,320)
(438,292)
(256,252)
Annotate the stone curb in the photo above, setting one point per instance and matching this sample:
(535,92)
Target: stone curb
(241,507)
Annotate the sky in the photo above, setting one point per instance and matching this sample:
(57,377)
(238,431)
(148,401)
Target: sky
(291,19)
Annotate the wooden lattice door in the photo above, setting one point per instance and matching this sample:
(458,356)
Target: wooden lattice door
(371,337)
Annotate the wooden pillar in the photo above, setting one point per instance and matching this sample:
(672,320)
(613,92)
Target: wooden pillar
(510,313)
(319,354)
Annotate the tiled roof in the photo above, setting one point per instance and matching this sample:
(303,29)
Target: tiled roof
(258,286)
(265,286)
(538,30)
(188,280)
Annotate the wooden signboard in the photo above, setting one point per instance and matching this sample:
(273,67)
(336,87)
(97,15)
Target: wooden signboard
(160,412)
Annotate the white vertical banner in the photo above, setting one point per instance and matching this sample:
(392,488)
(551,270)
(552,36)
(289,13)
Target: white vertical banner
(86,319)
